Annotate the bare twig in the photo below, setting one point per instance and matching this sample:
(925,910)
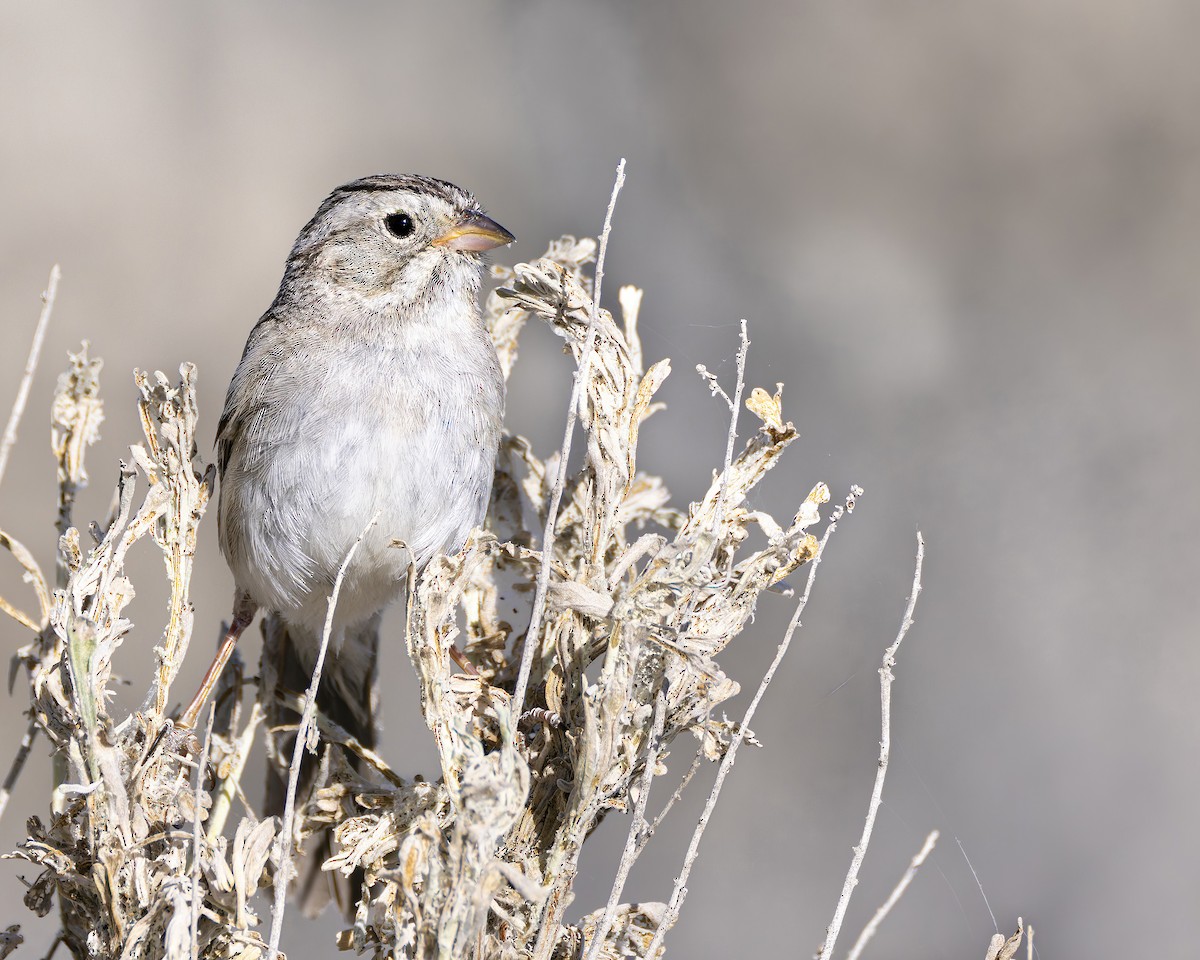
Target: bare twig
(303,732)
(873,925)
(885,745)
(18,764)
(35,349)
(674,798)
(34,574)
(53,946)
(680,891)
(735,405)
(714,385)
(632,846)
(548,536)
(196,808)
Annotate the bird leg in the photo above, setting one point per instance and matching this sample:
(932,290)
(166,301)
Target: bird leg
(244,609)
(461,659)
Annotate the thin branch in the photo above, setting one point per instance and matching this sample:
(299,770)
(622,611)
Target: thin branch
(18,765)
(662,814)
(735,405)
(714,385)
(548,535)
(885,747)
(195,871)
(54,946)
(872,927)
(632,847)
(35,349)
(680,892)
(305,729)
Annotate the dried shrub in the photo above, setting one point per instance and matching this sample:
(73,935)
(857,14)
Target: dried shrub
(140,847)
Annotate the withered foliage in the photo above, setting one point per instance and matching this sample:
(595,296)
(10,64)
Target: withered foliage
(146,855)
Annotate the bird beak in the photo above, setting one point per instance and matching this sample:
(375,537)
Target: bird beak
(474,233)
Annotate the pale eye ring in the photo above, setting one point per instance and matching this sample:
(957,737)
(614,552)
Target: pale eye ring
(399,224)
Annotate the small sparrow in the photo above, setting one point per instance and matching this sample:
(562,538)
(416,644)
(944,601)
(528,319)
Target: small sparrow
(370,387)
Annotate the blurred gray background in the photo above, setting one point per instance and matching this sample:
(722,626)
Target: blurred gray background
(965,235)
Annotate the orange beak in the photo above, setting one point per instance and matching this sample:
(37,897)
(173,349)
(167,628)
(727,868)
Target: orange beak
(474,233)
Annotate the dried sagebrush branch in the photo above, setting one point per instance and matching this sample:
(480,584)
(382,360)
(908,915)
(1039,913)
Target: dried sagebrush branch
(118,850)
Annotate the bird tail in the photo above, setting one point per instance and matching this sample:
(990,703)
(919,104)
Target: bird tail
(347,696)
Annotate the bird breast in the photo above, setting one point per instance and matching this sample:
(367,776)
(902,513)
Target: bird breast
(404,427)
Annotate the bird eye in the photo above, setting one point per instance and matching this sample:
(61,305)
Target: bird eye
(399,224)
